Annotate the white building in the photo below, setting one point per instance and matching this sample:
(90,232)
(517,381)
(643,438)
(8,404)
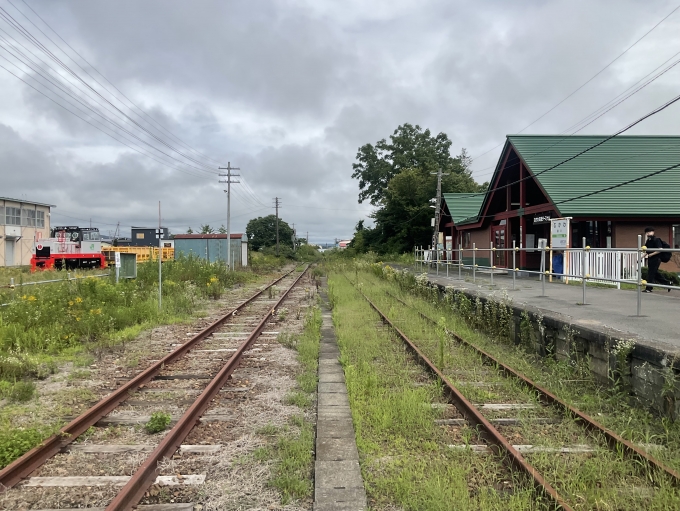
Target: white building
(21,224)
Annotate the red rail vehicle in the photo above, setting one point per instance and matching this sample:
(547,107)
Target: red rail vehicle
(69,247)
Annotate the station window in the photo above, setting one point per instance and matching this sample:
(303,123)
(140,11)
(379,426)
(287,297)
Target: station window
(467,240)
(28,217)
(676,236)
(12,215)
(139,235)
(40,219)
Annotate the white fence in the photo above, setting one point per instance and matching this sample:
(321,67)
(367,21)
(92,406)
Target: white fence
(603,266)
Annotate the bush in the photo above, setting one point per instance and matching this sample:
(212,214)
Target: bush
(48,320)
(15,442)
(158,422)
(673,277)
(18,392)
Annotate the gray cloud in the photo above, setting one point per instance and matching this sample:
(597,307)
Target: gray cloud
(288,90)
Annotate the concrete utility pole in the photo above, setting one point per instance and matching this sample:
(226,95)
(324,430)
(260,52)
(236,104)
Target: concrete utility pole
(277,204)
(160,257)
(294,237)
(229,182)
(307,237)
(438,205)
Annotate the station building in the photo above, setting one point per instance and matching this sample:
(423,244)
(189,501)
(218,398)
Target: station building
(22,222)
(611,192)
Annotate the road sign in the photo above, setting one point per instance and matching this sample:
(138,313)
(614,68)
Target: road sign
(559,233)
(117,256)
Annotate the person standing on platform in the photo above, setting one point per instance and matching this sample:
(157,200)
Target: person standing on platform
(653,260)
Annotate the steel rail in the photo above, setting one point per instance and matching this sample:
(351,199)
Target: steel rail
(136,487)
(31,460)
(497,442)
(614,440)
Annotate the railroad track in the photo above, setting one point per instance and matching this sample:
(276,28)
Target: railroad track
(530,403)
(201,366)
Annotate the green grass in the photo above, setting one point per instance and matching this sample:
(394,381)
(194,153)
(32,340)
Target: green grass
(291,448)
(46,325)
(159,421)
(14,442)
(22,274)
(405,459)
(586,480)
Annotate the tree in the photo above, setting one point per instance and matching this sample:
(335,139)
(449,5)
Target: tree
(190,230)
(261,232)
(397,178)
(222,229)
(206,229)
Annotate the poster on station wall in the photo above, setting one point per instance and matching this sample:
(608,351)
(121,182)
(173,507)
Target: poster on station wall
(559,233)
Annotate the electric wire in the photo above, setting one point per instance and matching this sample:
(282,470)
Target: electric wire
(17,26)
(97,127)
(580,153)
(89,107)
(606,107)
(586,82)
(140,110)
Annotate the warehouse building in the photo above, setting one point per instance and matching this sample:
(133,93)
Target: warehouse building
(213,247)
(610,192)
(22,222)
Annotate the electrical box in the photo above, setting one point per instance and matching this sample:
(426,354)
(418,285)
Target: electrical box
(128,266)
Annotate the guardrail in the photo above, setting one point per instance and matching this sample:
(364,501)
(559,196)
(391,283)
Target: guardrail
(612,266)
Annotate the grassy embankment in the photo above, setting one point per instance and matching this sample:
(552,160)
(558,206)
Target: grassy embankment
(405,457)
(45,326)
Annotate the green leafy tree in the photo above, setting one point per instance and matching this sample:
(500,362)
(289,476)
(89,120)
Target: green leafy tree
(222,229)
(396,177)
(261,232)
(190,230)
(206,229)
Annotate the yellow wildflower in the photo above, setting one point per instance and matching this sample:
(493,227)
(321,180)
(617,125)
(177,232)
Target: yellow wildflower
(79,299)
(77,319)
(70,303)
(31,298)
(213,279)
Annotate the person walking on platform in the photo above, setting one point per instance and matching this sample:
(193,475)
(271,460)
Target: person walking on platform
(653,260)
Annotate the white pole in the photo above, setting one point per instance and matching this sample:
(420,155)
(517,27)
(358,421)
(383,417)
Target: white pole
(229,215)
(160,251)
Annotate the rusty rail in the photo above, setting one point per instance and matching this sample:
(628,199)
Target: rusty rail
(135,488)
(615,441)
(23,466)
(497,442)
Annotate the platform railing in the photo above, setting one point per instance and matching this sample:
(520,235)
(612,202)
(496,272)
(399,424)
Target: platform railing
(609,266)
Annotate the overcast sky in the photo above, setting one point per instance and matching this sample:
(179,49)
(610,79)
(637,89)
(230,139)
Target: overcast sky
(288,91)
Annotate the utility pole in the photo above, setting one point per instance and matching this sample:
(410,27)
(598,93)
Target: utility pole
(277,204)
(160,254)
(307,237)
(294,237)
(438,205)
(229,182)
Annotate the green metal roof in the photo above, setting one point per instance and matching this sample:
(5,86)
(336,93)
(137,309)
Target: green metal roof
(463,207)
(620,159)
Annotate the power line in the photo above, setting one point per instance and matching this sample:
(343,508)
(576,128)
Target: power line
(22,30)
(106,79)
(87,106)
(631,125)
(586,82)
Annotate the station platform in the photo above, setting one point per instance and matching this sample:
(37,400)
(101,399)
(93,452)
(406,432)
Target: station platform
(606,309)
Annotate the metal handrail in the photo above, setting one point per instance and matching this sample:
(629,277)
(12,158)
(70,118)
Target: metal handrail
(454,258)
